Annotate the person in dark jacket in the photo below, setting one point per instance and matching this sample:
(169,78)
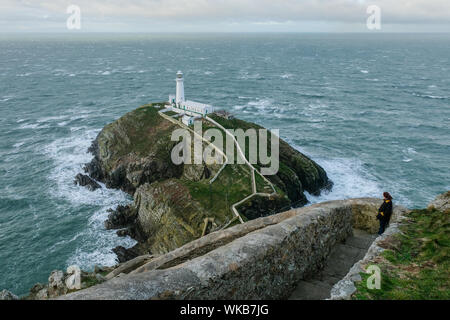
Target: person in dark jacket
(385,212)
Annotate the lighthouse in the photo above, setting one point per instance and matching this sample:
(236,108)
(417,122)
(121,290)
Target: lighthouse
(180,89)
(188,109)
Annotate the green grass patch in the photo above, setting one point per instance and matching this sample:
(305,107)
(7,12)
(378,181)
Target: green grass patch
(232,185)
(417,263)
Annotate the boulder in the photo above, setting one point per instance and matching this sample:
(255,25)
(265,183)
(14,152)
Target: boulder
(7,295)
(56,284)
(123,254)
(121,217)
(441,202)
(86,181)
(99,278)
(42,294)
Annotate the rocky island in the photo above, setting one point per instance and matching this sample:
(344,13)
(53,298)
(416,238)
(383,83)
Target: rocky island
(175,204)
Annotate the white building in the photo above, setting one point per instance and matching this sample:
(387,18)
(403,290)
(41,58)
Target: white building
(190,109)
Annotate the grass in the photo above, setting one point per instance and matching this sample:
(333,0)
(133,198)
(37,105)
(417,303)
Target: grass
(416,264)
(232,185)
(146,132)
(171,113)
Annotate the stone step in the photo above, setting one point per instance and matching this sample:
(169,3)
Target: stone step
(330,280)
(342,257)
(341,260)
(308,290)
(360,242)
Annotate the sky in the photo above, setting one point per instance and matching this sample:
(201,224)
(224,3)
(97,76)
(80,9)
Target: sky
(224,16)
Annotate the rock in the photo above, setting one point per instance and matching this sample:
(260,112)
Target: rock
(42,294)
(441,202)
(122,233)
(56,285)
(199,172)
(56,278)
(98,269)
(99,277)
(159,206)
(7,295)
(86,181)
(122,217)
(343,290)
(259,206)
(124,254)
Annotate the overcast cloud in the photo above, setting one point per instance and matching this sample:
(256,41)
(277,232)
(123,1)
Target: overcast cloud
(225,15)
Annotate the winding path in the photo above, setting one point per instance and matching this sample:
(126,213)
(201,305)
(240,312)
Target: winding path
(241,154)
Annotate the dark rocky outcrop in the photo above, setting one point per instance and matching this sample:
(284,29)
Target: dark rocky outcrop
(7,295)
(441,202)
(260,206)
(124,254)
(121,217)
(86,181)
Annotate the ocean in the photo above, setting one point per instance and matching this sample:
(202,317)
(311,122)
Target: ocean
(372,109)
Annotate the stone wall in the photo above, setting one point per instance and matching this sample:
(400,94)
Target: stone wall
(262,263)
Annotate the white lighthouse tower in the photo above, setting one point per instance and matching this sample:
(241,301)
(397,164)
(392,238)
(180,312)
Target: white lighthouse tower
(189,110)
(180,89)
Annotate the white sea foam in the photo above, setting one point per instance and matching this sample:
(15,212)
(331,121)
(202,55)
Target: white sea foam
(49,119)
(79,116)
(97,249)
(429,96)
(350,180)
(286,75)
(364,71)
(264,107)
(247,76)
(408,154)
(410,150)
(33,126)
(69,155)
